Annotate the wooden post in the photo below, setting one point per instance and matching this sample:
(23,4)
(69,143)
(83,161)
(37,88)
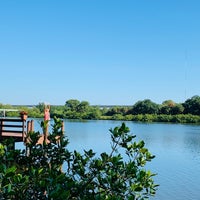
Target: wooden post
(28,126)
(24,115)
(63,128)
(46,121)
(46,129)
(28,130)
(23,129)
(32,126)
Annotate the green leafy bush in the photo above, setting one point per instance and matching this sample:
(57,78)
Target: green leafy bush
(51,171)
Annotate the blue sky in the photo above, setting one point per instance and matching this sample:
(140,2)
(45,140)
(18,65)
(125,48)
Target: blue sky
(102,51)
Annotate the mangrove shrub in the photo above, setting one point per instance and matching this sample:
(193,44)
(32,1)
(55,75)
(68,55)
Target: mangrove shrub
(51,171)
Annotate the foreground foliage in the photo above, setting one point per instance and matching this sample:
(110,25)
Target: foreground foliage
(51,171)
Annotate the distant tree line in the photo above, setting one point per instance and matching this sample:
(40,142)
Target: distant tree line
(143,110)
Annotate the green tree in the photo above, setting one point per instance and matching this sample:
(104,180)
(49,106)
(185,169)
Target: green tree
(166,107)
(83,106)
(177,109)
(122,110)
(35,112)
(145,107)
(192,105)
(57,111)
(119,174)
(169,107)
(40,106)
(93,113)
(72,104)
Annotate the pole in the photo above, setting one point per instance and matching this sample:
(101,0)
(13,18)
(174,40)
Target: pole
(46,122)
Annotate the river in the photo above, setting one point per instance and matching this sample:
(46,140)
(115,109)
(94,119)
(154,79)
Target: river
(176,147)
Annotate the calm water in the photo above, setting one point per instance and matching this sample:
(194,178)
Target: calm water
(176,146)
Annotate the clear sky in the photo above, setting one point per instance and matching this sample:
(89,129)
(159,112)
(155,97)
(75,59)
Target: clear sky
(101,51)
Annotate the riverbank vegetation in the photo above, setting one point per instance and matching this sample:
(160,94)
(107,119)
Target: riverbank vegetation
(51,171)
(144,111)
